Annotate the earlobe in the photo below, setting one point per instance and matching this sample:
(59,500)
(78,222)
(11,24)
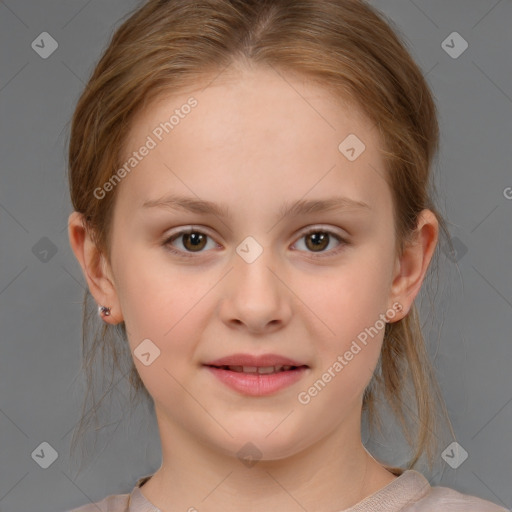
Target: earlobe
(412,266)
(94,268)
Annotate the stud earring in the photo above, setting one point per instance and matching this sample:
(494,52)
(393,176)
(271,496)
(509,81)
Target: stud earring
(103,311)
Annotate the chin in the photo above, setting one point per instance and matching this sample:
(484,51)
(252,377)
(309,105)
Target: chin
(254,444)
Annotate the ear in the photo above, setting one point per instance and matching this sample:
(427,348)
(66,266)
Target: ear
(95,268)
(411,267)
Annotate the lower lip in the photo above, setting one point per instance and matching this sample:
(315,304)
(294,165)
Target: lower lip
(255,384)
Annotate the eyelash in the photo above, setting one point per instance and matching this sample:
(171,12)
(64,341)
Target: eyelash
(322,254)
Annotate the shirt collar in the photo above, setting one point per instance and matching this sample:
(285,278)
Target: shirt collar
(408,488)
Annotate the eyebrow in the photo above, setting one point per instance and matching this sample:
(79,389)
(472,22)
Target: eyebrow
(288,209)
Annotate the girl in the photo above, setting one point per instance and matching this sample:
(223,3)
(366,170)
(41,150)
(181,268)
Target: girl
(250,184)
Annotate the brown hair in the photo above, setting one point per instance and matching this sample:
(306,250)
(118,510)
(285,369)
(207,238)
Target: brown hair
(346,46)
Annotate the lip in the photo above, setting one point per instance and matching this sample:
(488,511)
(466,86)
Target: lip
(253,360)
(255,384)
(252,384)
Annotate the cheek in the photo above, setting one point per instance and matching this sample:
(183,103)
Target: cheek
(170,321)
(347,300)
(164,305)
(148,290)
(346,323)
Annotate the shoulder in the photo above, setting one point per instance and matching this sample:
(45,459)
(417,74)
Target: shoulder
(133,501)
(112,503)
(450,500)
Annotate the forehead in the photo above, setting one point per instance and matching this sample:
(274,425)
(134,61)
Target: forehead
(255,130)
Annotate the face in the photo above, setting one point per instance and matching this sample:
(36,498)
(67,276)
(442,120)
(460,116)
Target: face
(246,279)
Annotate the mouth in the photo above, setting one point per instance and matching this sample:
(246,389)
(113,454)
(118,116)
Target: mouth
(260,370)
(257,380)
(252,363)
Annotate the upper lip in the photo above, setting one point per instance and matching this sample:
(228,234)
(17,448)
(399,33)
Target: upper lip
(264,360)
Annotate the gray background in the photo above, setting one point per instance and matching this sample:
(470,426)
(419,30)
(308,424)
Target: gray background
(41,292)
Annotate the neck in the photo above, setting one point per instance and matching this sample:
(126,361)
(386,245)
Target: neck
(335,473)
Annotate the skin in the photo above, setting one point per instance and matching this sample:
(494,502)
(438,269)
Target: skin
(257,138)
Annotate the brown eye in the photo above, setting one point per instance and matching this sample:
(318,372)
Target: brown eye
(317,241)
(194,241)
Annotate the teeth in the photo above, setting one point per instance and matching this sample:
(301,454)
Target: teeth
(267,369)
(258,369)
(236,368)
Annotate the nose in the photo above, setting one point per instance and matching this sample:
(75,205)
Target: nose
(255,296)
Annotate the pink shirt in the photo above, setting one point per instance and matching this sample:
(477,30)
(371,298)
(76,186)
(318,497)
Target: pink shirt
(410,492)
